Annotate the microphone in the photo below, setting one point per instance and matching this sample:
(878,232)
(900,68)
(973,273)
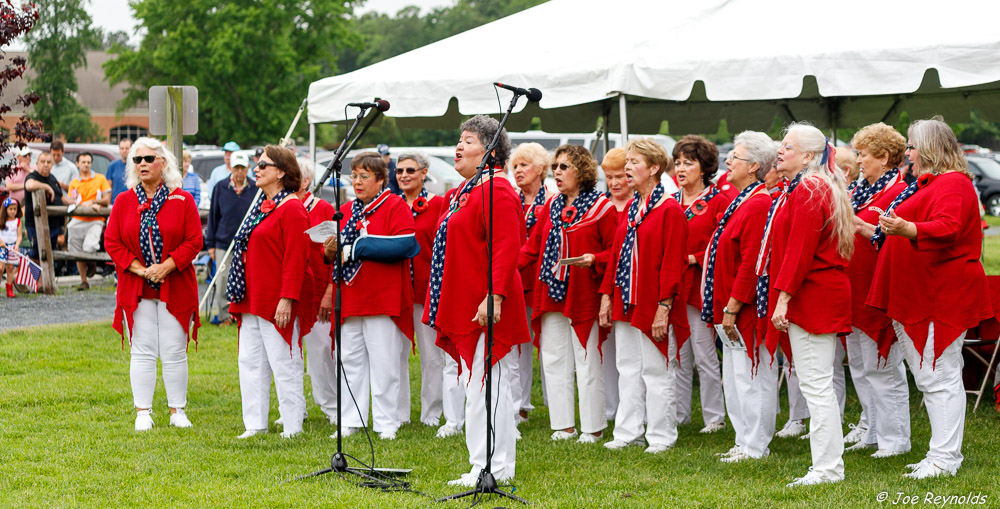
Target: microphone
(533,94)
(381,105)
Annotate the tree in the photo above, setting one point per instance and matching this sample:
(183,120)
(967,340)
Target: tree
(58,45)
(15,22)
(252,61)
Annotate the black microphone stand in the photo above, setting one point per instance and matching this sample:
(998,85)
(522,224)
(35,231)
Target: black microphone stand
(338,462)
(487,483)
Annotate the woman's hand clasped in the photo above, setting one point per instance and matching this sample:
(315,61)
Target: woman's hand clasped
(481,312)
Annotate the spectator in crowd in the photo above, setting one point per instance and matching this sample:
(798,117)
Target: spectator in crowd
(847,161)
(14,184)
(116,170)
(10,239)
(42,178)
(90,191)
(383,150)
(62,168)
(233,197)
(192,183)
(222,171)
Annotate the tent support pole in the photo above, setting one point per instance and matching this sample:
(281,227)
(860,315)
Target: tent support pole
(312,142)
(623,114)
(606,114)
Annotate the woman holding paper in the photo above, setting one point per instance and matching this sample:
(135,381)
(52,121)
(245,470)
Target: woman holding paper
(749,377)
(577,228)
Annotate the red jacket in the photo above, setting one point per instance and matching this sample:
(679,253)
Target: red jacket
(735,261)
(805,263)
(701,227)
(871,321)
(583,300)
(662,241)
(277,267)
(937,277)
(529,272)
(180,229)
(319,210)
(426,224)
(463,285)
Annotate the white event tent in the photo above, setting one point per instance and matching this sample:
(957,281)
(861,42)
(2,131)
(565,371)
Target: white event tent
(692,63)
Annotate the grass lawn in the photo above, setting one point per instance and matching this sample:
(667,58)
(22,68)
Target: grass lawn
(67,441)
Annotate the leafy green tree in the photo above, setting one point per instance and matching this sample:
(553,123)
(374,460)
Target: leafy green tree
(16,22)
(252,61)
(57,46)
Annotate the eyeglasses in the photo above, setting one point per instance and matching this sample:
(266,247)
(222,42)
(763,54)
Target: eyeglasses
(732,157)
(561,166)
(262,165)
(360,176)
(910,147)
(409,171)
(148,159)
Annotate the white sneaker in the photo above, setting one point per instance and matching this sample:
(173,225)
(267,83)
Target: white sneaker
(736,457)
(805,437)
(563,435)
(143,420)
(856,434)
(430,422)
(387,435)
(346,431)
(730,452)
(179,420)
(467,480)
(658,448)
(914,466)
(279,422)
(251,432)
(289,434)
(792,428)
(927,470)
(860,446)
(810,479)
(886,453)
(588,438)
(621,444)
(517,433)
(713,427)
(448,430)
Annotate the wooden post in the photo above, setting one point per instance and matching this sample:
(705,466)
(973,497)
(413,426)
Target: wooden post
(48,281)
(175,120)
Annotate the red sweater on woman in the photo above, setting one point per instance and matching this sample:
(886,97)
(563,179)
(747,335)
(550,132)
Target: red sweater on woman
(701,227)
(180,229)
(805,263)
(583,300)
(869,320)
(319,210)
(463,285)
(937,277)
(662,258)
(426,224)
(277,267)
(735,261)
(529,272)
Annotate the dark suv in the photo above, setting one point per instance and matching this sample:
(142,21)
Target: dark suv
(987,173)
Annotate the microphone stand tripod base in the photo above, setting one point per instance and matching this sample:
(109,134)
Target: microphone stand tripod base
(485,485)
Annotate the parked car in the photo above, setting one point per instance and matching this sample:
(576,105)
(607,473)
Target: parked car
(441,174)
(986,171)
(104,153)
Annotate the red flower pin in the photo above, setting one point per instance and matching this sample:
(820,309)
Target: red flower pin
(267,206)
(144,207)
(925,180)
(420,204)
(568,214)
(699,207)
(463,200)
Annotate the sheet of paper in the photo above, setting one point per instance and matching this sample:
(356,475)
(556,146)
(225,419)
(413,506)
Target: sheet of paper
(322,231)
(567,261)
(739,345)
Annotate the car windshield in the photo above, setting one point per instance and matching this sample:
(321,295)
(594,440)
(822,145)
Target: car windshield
(989,167)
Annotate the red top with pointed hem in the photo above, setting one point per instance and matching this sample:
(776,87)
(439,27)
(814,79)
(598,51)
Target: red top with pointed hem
(662,241)
(701,227)
(426,226)
(319,210)
(583,302)
(277,267)
(180,229)
(805,263)
(869,320)
(735,261)
(530,272)
(937,277)
(463,285)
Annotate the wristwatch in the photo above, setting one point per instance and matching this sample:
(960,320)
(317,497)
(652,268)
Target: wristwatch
(727,311)
(668,306)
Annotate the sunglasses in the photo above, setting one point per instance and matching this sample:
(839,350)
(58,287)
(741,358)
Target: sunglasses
(561,166)
(910,147)
(409,171)
(148,159)
(262,165)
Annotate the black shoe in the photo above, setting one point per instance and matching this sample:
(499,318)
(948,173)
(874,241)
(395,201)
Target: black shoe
(83,286)
(91,269)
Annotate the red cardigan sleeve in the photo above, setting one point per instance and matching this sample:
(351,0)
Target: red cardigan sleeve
(113,236)
(807,228)
(296,243)
(606,228)
(531,249)
(608,283)
(509,231)
(674,252)
(745,283)
(188,249)
(941,230)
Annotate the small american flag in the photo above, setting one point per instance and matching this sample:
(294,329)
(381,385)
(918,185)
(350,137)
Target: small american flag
(28,273)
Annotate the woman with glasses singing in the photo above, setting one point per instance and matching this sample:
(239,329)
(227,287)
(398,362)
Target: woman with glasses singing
(929,280)
(153,235)
(572,247)
(270,288)
(695,162)
(377,240)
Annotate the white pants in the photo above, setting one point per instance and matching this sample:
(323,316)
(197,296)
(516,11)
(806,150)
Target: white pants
(263,351)
(751,398)
(944,395)
(431,369)
(502,463)
(610,376)
(522,372)
(370,352)
(453,404)
(565,356)
(890,395)
(699,350)
(156,334)
(322,368)
(814,355)
(220,303)
(640,362)
(855,360)
(405,405)
(797,407)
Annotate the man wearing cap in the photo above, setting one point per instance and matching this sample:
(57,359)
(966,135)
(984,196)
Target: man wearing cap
(221,172)
(90,191)
(15,181)
(232,199)
(383,150)
(116,170)
(63,170)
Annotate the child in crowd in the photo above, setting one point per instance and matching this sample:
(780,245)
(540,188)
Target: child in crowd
(10,239)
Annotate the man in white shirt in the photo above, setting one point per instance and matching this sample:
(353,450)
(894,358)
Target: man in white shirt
(62,169)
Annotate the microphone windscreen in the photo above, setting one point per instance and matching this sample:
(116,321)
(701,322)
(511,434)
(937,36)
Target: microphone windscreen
(534,95)
(383,105)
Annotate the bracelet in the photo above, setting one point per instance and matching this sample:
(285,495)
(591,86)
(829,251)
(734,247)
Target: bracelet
(728,312)
(668,306)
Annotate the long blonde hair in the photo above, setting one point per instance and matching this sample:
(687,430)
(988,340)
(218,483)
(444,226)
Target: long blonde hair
(812,140)
(937,147)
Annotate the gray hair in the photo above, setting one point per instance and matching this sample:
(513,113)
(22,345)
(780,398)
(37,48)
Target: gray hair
(761,149)
(418,157)
(171,175)
(485,128)
(307,169)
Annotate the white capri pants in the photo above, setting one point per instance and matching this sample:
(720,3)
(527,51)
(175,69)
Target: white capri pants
(504,443)
(432,378)
(371,356)
(797,407)
(890,395)
(563,357)
(699,350)
(751,398)
(641,363)
(522,373)
(856,363)
(156,334)
(814,355)
(322,368)
(263,352)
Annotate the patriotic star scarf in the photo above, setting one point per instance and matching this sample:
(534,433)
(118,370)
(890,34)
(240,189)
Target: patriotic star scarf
(236,286)
(628,259)
(588,208)
(150,241)
(699,201)
(437,258)
(351,231)
(764,258)
(863,194)
(530,217)
(923,181)
(708,275)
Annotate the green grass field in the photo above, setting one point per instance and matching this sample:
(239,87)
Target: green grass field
(67,441)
